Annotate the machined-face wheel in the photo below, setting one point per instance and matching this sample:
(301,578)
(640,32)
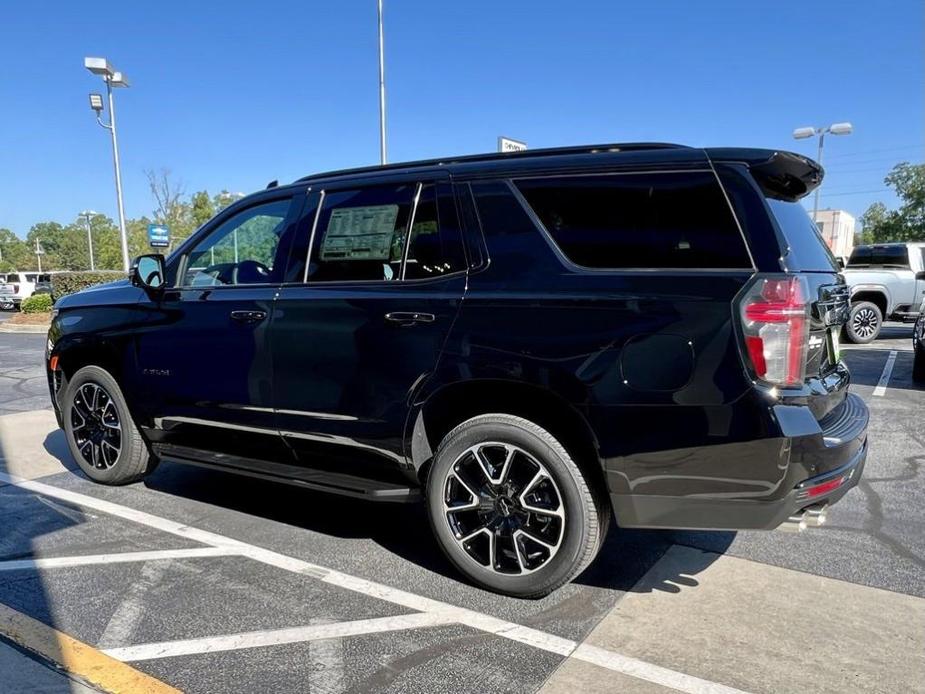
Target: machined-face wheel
(504,508)
(95,426)
(865,323)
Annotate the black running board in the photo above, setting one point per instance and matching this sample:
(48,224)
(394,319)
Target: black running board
(320,480)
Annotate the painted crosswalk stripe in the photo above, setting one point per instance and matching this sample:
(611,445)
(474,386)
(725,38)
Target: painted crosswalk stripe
(880,390)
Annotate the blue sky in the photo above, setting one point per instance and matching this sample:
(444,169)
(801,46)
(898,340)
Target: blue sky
(234,94)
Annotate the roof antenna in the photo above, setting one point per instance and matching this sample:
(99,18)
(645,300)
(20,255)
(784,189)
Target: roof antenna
(273,183)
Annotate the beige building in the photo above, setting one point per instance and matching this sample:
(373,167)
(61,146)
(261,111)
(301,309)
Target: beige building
(837,230)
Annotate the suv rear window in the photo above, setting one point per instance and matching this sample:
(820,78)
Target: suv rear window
(646,220)
(882,256)
(806,251)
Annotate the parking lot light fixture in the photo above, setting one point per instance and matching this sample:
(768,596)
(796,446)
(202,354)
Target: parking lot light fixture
(113,79)
(843,128)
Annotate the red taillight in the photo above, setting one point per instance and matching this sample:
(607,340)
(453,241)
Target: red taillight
(823,487)
(774,316)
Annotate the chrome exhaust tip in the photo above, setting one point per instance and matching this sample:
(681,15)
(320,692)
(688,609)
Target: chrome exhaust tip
(816,515)
(794,524)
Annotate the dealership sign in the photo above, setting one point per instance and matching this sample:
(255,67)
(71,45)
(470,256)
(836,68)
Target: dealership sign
(158,236)
(506,144)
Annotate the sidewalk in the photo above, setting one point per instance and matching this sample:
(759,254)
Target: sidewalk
(739,625)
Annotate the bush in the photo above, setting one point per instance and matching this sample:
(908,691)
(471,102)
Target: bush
(40,303)
(64,283)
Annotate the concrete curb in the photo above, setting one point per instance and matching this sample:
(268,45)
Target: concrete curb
(5,327)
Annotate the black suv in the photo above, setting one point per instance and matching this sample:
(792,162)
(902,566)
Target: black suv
(530,341)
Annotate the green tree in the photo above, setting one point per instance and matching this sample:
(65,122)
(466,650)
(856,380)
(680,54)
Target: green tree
(14,252)
(907,223)
(201,208)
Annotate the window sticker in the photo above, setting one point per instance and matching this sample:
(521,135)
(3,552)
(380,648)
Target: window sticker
(360,233)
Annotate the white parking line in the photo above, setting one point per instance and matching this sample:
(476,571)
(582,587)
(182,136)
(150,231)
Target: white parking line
(476,620)
(885,376)
(647,671)
(277,637)
(121,557)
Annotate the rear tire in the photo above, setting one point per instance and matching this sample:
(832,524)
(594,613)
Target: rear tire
(510,508)
(918,365)
(100,432)
(864,323)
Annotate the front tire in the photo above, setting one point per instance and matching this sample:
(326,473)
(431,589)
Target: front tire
(864,322)
(510,508)
(100,432)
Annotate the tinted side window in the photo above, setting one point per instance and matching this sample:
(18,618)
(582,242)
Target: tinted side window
(360,234)
(639,221)
(241,250)
(806,250)
(434,249)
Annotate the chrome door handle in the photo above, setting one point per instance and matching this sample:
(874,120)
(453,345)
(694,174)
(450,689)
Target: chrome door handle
(248,316)
(409,317)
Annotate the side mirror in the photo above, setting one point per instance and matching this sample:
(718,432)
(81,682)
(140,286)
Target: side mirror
(148,272)
(920,275)
(841,262)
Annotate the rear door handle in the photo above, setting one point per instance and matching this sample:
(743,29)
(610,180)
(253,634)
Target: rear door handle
(248,316)
(409,317)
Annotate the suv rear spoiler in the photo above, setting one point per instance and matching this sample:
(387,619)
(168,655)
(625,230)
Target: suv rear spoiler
(781,175)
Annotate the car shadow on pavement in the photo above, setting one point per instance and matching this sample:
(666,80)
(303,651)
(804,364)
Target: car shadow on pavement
(627,555)
(402,529)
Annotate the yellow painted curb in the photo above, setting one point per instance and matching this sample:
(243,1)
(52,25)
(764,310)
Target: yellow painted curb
(77,658)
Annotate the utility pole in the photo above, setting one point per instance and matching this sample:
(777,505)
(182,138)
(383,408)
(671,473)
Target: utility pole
(87,214)
(38,254)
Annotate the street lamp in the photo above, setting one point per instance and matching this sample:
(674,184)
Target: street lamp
(803,133)
(113,79)
(87,214)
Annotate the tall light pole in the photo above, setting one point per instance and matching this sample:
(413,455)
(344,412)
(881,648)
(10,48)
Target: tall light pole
(113,79)
(382,155)
(87,214)
(39,252)
(803,133)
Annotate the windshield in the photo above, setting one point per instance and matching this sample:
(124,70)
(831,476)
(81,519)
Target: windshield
(806,252)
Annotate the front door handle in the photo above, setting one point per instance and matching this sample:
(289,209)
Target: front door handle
(410,317)
(248,316)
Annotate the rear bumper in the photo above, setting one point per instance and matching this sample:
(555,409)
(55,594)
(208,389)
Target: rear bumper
(835,453)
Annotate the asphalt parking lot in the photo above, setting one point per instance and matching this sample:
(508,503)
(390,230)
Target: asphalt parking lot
(206,582)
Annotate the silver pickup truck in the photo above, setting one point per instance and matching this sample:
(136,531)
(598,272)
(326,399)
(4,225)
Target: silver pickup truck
(887,281)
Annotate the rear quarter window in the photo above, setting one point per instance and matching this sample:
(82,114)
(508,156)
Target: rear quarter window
(806,251)
(646,220)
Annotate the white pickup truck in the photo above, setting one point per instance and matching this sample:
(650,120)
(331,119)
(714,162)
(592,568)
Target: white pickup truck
(887,281)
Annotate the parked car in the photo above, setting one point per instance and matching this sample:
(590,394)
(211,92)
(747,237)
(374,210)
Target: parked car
(887,281)
(532,342)
(24,284)
(918,346)
(8,300)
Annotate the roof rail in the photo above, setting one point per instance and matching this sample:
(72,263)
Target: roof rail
(495,156)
